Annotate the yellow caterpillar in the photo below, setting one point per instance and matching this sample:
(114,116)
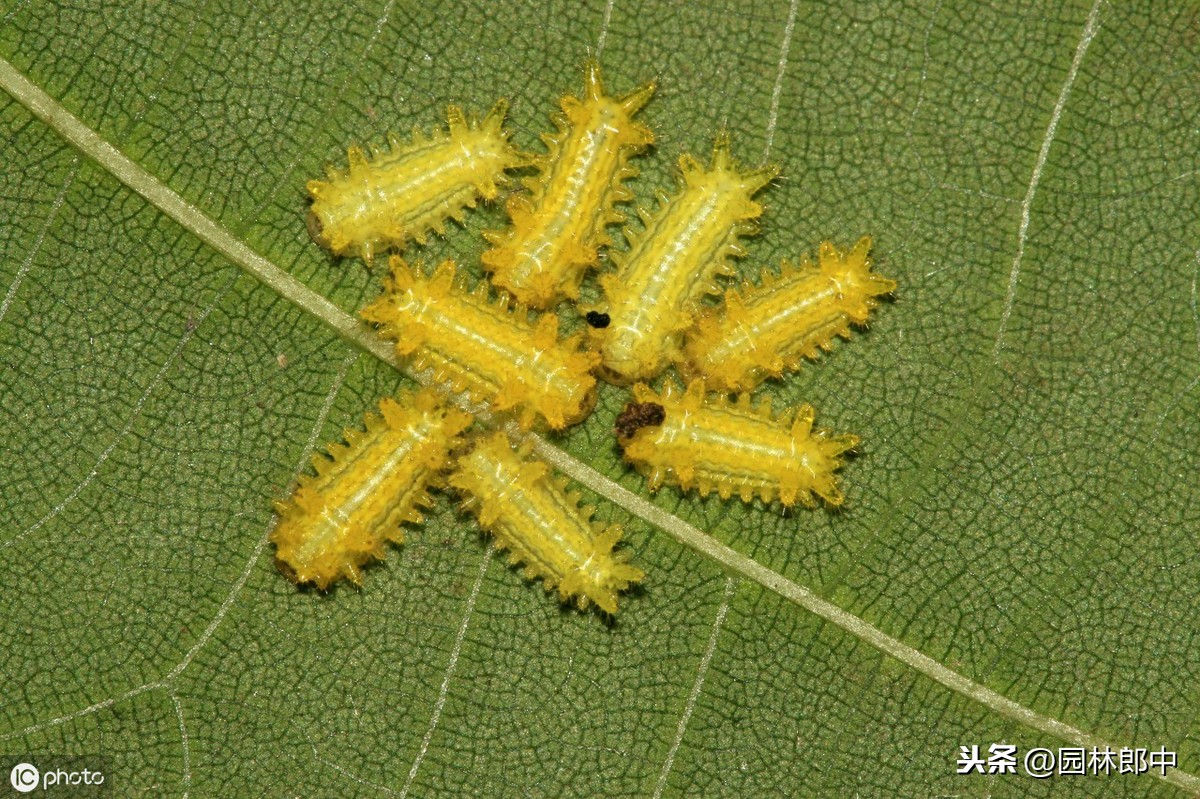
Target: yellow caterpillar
(556,231)
(765,330)
(365,490)
(541,524)
(485,348)
(674,262)
(414,187)
(682,438)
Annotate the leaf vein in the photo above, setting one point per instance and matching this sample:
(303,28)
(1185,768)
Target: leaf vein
(689,707)
(1090,27)
(451,667)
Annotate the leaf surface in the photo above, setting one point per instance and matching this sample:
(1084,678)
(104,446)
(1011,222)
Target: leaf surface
(1017,559)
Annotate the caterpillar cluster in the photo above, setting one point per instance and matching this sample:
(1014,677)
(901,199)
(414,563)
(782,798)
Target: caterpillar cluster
(706,443)
(654,316)
(368,488)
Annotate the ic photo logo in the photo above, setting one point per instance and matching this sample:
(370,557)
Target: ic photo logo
(24,777)
(66,776)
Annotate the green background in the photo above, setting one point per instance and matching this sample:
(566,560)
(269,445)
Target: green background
(1024,510)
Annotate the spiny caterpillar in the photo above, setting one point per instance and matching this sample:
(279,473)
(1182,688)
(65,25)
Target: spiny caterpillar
(767,329)
(555,233)
(365,490)
(488,349)
(716,445)
(413,188)
(674,262)
(541,524)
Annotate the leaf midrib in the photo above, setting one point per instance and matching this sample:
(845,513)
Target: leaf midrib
(192,219)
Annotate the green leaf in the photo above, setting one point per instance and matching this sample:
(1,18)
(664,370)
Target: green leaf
(1016,562)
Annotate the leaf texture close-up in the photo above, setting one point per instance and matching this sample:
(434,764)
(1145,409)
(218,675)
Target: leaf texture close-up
(1017,560)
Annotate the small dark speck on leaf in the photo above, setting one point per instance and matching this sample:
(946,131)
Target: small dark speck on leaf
(638,415)
(597,319)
